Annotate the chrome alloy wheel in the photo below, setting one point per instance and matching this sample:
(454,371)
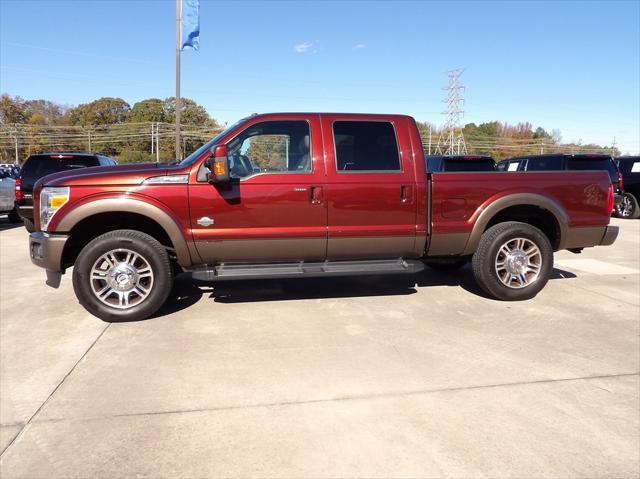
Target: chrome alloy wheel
(518,263)
(121,278)
(625,207)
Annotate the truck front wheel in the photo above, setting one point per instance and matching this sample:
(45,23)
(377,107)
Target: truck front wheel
(123,275)
(513,261)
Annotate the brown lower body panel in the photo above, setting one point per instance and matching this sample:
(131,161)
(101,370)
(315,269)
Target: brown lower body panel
(447,244)
(374,247)
(309,249)
(262,250)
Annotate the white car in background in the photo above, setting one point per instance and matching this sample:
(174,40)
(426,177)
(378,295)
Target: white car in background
(7,196)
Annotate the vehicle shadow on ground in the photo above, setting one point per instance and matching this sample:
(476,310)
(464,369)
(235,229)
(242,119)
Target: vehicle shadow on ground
(5,224)
(187,292)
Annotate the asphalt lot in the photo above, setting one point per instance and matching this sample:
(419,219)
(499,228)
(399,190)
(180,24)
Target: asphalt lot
(363,377)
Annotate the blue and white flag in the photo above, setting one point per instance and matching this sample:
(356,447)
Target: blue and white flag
(190,24)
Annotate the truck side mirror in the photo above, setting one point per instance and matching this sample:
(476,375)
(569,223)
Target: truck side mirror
(218,165)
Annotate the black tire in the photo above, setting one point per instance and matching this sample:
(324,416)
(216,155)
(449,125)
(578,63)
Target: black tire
(446,266)
(135,241)
(628,207)
(486,257)
(14,217)
(28,224)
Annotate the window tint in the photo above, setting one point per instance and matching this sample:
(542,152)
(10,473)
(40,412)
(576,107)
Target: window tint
(271,147)
(107,161)
(469,165)
(42,165)
(434,163)
(605,164)
(629,165)
(548,163)
(365,146)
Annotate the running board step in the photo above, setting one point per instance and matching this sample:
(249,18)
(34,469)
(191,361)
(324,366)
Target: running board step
(303,269)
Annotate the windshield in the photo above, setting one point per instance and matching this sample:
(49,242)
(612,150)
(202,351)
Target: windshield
(196,154)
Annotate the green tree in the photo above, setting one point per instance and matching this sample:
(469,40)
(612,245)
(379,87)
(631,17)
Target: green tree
(104,111)
(541,134)
(190,113)
(152,109)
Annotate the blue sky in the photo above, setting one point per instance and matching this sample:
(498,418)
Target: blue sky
(573,65)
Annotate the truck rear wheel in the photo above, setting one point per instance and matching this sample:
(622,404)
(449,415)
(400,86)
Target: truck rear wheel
(513,261)
(123,275)
(628,207)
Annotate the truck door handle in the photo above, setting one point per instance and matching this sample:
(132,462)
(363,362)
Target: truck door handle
(406,193)
(316,195)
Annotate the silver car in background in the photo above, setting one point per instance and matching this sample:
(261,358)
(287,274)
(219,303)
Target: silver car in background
(7,196)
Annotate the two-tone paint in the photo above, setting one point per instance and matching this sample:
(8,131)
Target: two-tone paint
(330,214)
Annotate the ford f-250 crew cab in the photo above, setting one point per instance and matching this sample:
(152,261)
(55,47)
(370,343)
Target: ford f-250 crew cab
(296,195)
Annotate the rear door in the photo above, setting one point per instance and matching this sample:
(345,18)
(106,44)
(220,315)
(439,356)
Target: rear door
(371,190)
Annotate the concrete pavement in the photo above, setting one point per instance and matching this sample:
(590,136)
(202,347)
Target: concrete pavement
(361,377)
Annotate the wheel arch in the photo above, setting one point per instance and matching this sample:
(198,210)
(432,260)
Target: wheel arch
(535,209)
(98,216)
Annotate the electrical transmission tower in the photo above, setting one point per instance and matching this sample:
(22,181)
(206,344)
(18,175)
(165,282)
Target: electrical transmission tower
(451,140)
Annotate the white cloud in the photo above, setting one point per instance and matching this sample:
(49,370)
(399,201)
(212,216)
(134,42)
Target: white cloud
(359,46)
(302,47)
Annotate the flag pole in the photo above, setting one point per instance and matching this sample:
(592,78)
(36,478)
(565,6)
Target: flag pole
(178,105)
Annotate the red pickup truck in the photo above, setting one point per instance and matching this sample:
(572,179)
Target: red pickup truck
(307,194)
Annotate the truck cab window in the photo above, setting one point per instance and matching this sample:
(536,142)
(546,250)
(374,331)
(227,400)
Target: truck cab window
(365,146)
(271,147)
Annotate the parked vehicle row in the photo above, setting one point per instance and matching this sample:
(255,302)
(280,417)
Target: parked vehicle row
(7,188)
(40,165)
(629,167)
(567,162)
(300,195)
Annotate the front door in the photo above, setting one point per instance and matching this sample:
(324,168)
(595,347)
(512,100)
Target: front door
(274,209)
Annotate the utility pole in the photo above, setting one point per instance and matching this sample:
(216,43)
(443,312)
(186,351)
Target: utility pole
(89,136)
(158,142)
(613,146)
(14,134)
(429,140)
(153,134)
(451,140)
(178,47)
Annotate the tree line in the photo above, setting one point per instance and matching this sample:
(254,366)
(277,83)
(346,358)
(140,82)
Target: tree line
(114,127)
(502,140)
(118,129)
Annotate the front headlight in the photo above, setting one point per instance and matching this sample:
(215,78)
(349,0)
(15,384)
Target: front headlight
(51,200)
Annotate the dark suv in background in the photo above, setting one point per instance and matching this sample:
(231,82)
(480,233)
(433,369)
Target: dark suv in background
(629,167)
(436,163)
(567,161)
(43,164)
